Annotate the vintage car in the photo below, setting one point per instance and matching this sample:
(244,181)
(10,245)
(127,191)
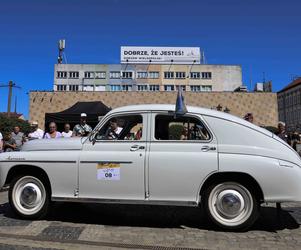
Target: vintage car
(145,154)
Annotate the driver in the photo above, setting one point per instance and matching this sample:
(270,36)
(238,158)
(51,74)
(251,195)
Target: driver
(114,130)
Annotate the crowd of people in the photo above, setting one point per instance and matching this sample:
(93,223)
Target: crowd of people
(12,141)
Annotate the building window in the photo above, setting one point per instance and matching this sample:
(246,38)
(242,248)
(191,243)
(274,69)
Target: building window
(73,87)
(206,75)
(142,87)
(127,74)
(195,88)
(115,75)
(100,75)
(182,86)
(180,75)
(169,87)
(142,75)
(153,74)
(89,74)
(115,88)
(154,87)
(61,74)
(89,88)
(206,88)
(73,74)
(168,75)
(61,87)
(195,75)
(126,87)
(100,88)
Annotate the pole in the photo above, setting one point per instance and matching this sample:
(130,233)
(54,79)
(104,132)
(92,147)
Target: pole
(15,104)
(10,92)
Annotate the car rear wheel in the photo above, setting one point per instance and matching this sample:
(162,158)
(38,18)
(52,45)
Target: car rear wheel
(29,197)
(231,205)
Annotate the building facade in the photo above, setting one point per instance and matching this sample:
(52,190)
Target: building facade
(289,105)
(236,103)
(147,77)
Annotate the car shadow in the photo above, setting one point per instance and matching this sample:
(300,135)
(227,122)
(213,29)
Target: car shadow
(270,218)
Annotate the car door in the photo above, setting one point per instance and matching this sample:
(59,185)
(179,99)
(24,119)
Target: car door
(177,165)
(112,168)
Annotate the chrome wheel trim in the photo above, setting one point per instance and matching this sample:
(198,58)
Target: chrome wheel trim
(28,195)
(230,204)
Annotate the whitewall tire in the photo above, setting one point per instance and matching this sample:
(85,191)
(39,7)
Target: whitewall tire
(231,205)
(29,197)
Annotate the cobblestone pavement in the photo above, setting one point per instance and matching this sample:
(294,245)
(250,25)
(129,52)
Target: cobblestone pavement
(95,226)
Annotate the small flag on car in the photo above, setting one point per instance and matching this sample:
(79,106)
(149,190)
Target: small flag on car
(180,104)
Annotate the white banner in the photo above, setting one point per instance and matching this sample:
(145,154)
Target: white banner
(160,55)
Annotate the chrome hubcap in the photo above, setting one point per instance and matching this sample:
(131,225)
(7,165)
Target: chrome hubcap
(30,195)
(229,203)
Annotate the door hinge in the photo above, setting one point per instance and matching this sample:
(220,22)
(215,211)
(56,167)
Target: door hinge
(76,192)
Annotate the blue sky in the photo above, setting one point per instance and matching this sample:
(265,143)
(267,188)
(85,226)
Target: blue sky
(263,36)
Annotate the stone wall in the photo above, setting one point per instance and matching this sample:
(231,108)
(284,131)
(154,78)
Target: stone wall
(262,105)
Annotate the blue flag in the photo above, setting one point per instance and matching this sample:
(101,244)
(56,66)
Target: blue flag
(180,104)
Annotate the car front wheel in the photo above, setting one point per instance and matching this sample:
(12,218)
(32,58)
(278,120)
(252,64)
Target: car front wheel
(231,205)
(29,197)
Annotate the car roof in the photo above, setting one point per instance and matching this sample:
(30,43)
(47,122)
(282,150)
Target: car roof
(191,109)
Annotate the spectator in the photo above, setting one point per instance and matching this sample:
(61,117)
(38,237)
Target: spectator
(281,133)
(249,117)
(295,139)
(53,133)
(9,143)
(82,129)
(37,132)
(67,132)
(1,142)
(18,137)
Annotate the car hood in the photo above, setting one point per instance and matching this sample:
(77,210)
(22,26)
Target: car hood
(74,143)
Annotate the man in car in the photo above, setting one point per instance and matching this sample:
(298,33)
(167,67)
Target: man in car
(82,129)
(114,130)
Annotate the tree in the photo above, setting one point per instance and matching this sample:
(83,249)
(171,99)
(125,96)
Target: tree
(8,123)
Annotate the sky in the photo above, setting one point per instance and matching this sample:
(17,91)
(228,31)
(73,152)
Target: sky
(260,35)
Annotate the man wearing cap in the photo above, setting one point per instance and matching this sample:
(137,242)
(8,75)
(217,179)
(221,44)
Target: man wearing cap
(37,132)
(82,129)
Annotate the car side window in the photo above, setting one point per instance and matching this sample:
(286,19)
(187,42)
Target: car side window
(167,127)
(122,128)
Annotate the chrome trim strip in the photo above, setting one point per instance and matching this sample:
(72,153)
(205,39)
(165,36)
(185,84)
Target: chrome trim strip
(106,162)
(124,201)
(37,161)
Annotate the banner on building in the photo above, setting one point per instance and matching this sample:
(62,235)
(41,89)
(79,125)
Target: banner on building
(160,55)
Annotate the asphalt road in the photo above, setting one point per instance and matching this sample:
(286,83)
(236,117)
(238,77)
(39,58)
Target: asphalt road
(95,226)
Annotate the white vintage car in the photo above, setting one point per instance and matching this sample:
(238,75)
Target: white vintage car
(143,154)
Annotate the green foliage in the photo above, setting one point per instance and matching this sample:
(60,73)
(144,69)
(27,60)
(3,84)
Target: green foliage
(175,131)
(7,124)
(271,129)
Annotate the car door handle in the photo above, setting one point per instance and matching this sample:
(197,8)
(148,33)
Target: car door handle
(136,147)
(208,148)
